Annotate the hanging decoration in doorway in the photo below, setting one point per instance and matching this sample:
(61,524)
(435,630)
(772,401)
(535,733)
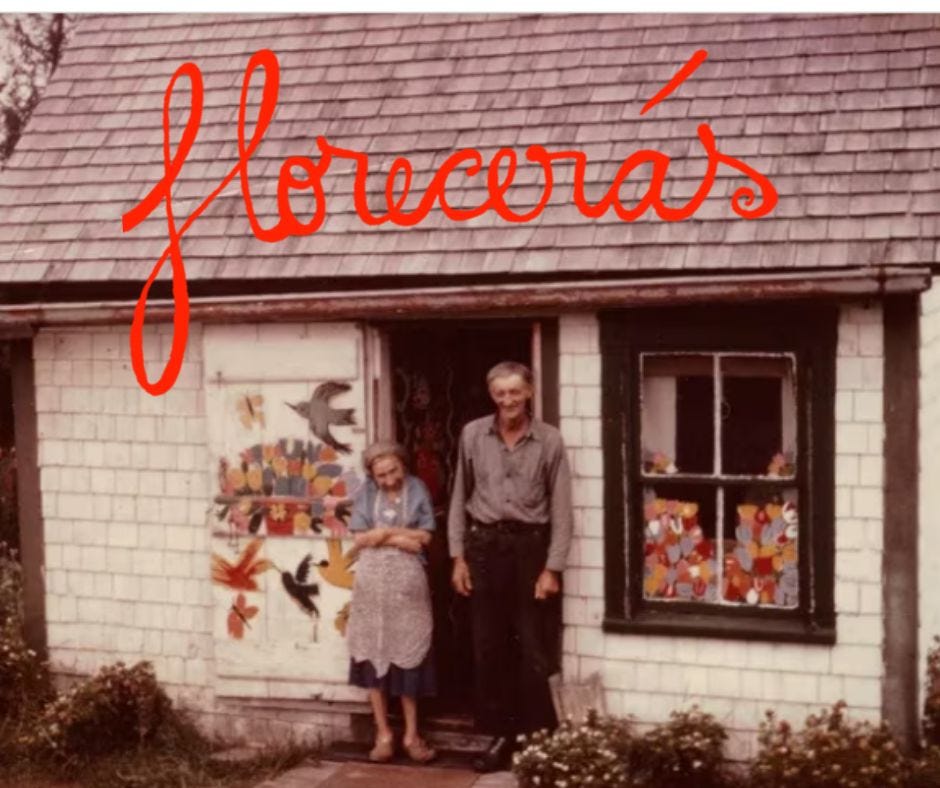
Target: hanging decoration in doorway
(423,417)
(320,414)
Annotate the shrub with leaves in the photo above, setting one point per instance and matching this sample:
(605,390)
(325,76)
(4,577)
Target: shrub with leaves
(687,750)
(931,722)
(925,770)
(593,753)
(117,709)
(24,680)
(830,752)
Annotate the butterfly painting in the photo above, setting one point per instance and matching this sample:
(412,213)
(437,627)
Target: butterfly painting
(239,616)
(249,410)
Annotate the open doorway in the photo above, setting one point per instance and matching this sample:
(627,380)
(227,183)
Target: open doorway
(439,384)
(9,525)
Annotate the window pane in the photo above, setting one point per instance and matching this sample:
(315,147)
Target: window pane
(761,547)
(678,406)
(679,543)
(758,415)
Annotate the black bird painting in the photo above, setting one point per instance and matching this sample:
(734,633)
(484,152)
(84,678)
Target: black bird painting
(301,591)
(320,415)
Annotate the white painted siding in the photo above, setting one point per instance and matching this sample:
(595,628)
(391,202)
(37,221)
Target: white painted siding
(126,495)
(649,676)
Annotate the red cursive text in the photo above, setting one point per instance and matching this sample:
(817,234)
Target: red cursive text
(500,172)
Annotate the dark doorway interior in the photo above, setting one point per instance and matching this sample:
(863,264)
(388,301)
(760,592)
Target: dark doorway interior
(9,526)
(439,385)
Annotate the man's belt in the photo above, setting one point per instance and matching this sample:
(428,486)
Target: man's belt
(507,526)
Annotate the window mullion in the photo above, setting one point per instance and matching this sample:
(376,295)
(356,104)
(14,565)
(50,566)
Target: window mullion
(720,491)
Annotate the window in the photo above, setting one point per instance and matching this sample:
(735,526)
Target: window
(719,462)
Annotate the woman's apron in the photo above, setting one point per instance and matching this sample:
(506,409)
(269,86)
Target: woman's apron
(390,620)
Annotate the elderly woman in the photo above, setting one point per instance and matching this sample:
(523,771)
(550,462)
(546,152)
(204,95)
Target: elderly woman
(389,630)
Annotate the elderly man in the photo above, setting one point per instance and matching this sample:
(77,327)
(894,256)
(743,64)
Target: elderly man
(509,529)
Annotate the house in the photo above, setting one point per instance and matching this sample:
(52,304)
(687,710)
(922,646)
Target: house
(751,406)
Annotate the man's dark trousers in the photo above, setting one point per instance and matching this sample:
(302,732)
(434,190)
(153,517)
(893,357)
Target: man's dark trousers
(515,636)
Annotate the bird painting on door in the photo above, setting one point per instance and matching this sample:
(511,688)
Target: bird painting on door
(320,415)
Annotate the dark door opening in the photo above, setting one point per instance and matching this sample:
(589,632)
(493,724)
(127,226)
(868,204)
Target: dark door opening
(9,524)
(439,385)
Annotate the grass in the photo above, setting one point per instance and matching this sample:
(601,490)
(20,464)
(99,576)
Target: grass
(180,757)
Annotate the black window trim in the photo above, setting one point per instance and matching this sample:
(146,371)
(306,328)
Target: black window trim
(807,330)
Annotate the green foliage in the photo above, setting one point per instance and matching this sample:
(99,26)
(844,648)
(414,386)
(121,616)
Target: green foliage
(179,756)
(687,750)
(925,770)
(604,751)
(119,728)
(931,722)
(24,679)
(31,46)
(115,710)
(593,753)
(829,752)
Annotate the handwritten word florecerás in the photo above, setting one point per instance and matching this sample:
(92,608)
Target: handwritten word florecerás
(301,173)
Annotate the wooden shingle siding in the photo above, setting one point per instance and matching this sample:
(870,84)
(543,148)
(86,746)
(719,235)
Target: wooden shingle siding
(841,112)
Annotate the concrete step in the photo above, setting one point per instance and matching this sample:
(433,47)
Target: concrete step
(358,752)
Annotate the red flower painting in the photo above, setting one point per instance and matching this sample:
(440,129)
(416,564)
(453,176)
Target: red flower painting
(241,574)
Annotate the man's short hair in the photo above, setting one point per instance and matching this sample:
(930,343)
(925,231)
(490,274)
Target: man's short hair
(506,368)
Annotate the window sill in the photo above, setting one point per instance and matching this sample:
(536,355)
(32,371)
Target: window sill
(738,627)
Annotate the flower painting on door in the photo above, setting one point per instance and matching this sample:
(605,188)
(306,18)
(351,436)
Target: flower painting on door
(287,428)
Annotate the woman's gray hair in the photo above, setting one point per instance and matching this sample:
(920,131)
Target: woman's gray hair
(383,449)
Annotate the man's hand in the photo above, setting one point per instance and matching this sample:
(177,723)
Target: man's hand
(461,577)
(547,584)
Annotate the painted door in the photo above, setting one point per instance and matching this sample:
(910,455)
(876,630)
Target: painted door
(287,419)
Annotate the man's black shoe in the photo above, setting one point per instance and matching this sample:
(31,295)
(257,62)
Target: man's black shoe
(495,757)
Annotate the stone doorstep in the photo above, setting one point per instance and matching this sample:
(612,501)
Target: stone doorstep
(333,774)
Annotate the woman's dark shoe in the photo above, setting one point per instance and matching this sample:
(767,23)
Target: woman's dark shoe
(495,757)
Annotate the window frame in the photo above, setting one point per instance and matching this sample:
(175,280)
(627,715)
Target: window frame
(809,332)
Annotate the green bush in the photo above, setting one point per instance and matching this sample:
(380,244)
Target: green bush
(593,753)
(829,752)
(24,679)
(925,769)
(687,750)
(604,751)
(115,710)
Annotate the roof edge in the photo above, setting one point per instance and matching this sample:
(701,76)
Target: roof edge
(485,300)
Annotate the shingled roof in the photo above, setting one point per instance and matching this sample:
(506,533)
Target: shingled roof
(841,112)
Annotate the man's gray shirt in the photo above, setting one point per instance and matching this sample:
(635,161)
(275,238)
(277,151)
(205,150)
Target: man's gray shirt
(530,483)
